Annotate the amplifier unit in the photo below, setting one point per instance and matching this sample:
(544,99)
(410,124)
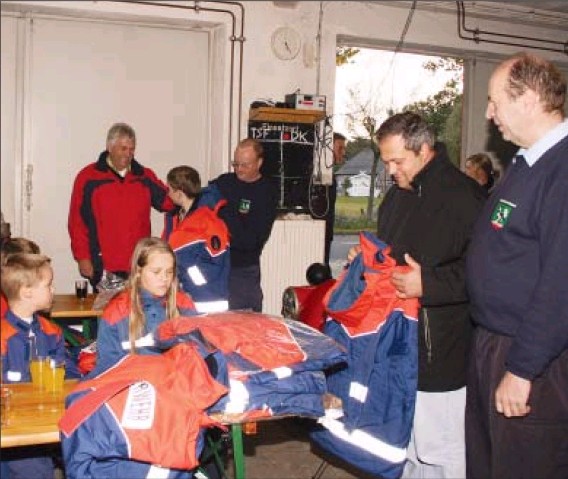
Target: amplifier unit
(305,102)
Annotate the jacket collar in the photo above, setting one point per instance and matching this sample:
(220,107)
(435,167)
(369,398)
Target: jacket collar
(22,326)
(102,165)
(430,170)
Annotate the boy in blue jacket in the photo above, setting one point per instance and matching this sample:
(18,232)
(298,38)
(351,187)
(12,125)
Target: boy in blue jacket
(27,283)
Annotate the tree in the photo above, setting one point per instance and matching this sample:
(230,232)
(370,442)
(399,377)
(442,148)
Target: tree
(364,113)
(443,109)
(356,145)
(346,186)
(343,55)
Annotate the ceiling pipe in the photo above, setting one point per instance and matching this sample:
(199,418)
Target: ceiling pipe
(476,32)
(233,38)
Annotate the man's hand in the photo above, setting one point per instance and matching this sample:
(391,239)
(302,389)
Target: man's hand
(408,285)
(85,268)
(354,251)
(512,395)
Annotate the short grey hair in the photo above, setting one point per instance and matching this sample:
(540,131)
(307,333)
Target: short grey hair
(413,128)
(120,130)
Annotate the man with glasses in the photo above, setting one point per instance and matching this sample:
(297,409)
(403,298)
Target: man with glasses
(249,215)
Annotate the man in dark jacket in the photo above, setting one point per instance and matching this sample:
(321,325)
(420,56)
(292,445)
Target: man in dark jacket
(427,218)
(249,215)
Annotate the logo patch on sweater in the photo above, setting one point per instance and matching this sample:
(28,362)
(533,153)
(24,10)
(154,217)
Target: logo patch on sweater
(244,206)
(140,405)
(501,214)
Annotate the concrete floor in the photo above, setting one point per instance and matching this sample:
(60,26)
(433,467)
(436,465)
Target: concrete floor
(281,450)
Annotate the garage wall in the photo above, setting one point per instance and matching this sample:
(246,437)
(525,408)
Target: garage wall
(70,69)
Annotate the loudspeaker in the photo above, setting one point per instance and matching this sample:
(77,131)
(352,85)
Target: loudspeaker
(288,159)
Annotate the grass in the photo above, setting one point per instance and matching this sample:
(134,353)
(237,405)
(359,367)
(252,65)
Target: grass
(351,215)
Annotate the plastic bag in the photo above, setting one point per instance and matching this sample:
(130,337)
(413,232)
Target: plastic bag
(108,287)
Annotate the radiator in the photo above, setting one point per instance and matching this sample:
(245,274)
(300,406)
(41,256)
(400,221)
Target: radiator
(293,245)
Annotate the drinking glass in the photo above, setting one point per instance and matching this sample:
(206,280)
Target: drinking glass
(37,364)
(81,288)
(54,376)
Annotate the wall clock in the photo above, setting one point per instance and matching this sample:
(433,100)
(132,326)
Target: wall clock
(286,43)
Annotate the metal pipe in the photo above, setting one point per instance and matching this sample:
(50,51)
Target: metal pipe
(476,32)
(233,38)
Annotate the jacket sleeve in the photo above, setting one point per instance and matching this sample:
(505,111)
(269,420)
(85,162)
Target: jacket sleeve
(78,231)
(444,283)
(158,192)
(109,346)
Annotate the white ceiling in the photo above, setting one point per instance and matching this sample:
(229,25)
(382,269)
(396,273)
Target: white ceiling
(545,13)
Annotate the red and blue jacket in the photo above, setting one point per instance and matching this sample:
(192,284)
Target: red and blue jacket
(112,335)
(143,417)
(378,386)
(275,366)
(15,345)
(201,244)
(108,214)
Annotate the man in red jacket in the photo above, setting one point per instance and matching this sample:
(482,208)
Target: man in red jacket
(110,207)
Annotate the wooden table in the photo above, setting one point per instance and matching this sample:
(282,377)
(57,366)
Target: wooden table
(33,415)
(67,307)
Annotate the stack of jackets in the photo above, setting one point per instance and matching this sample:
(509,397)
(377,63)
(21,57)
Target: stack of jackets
(145,411)
(378,386)
(146,416)
(275,366)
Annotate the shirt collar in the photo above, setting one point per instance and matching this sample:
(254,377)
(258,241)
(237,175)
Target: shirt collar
(535,152)
(111,166)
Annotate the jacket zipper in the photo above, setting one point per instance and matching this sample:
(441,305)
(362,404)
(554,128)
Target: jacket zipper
(427,337)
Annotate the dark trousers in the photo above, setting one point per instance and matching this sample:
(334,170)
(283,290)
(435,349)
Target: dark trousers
(530,447)
(244,288)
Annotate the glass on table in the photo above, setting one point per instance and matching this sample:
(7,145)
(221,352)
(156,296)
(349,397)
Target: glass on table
(81,288)
(38,364)
(54,376)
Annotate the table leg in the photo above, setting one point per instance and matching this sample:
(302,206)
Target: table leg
(87,330)
(238,453)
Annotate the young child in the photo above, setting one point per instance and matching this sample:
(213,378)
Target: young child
(27,283)
(199,238)
(12,246)
(151,297)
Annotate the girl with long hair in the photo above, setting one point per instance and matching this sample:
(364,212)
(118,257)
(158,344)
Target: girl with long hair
(150,298)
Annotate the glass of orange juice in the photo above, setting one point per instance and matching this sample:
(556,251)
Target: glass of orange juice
(54,376)
(38,368)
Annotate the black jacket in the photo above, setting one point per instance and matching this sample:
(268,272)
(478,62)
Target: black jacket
(433,223)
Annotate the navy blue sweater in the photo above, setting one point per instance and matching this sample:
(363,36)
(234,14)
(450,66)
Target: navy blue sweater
(249,215)
(517,265)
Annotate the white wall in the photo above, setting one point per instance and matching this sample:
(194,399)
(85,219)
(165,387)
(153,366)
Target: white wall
(371,24)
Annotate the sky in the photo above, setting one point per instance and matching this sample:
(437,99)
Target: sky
(382,80)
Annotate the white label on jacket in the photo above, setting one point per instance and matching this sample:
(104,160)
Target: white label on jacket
(157,472)
(143,342)
(358,391)
(364,441)
(219,306)
(238,397)
(196,276)
(282,372)
(140,406)
(14,376)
